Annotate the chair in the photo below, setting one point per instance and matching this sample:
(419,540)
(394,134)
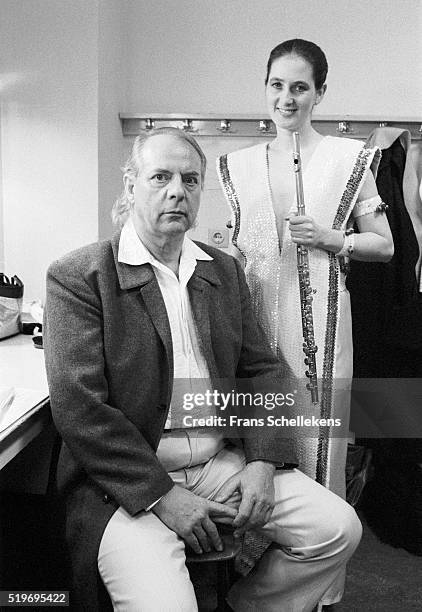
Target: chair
(224,562)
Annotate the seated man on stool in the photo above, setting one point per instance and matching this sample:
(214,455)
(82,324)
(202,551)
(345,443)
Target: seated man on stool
(125,318)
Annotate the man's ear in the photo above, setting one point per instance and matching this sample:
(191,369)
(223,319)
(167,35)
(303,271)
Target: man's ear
(320,94)
(129,185)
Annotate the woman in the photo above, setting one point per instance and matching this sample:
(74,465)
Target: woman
(339,191)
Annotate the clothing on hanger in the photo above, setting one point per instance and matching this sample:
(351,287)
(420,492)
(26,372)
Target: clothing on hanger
(384,137)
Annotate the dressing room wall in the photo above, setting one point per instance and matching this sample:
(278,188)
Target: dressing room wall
(61,88)
(48,132)
(210,56)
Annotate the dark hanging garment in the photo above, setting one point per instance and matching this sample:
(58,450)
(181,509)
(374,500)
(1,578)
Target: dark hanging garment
(385,299)
(387,343)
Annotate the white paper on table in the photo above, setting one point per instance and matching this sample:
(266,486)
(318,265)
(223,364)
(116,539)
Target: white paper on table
(15,402)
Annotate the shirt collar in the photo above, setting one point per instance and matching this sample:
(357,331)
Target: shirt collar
(132,251)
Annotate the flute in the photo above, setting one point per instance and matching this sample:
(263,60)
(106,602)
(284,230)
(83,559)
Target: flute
(305,289)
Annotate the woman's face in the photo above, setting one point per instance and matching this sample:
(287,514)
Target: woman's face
(291,92)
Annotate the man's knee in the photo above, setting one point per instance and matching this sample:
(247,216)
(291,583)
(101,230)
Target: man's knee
(334,534)
(342,532)
(351,528)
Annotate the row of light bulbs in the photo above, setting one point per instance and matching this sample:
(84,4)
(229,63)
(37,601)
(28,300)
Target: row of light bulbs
(264,126)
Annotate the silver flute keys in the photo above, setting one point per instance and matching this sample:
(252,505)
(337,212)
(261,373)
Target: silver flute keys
(309,346)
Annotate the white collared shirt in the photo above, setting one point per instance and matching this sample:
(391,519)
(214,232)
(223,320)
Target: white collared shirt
(189,363)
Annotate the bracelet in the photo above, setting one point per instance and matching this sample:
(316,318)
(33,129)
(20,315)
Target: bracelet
(348,244)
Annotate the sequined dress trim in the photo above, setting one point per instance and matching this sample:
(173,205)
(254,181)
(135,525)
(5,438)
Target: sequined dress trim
(231,195)
(351,190)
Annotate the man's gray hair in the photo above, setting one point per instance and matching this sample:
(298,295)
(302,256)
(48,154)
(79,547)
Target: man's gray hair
(122,205)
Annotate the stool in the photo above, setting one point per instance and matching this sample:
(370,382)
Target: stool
(225,567)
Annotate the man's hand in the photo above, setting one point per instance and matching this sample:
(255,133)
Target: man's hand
(193,518)
(256,485)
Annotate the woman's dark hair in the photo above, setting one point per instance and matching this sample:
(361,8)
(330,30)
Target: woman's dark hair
(309,51)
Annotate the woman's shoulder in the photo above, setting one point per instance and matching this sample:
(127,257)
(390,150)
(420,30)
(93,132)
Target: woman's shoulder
(358,150)
(344,144)
(343,148)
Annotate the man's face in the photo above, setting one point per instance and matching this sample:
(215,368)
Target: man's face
(166,192)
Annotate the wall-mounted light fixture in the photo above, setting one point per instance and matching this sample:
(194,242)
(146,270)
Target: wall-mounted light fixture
(264,126)
(149,124)
(253,125)
(344,128)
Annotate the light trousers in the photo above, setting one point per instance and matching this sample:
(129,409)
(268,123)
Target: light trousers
(314,533)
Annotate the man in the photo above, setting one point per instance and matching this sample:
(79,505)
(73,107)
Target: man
(125,318)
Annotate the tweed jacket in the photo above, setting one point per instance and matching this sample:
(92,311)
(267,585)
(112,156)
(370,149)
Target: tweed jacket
(110,368)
